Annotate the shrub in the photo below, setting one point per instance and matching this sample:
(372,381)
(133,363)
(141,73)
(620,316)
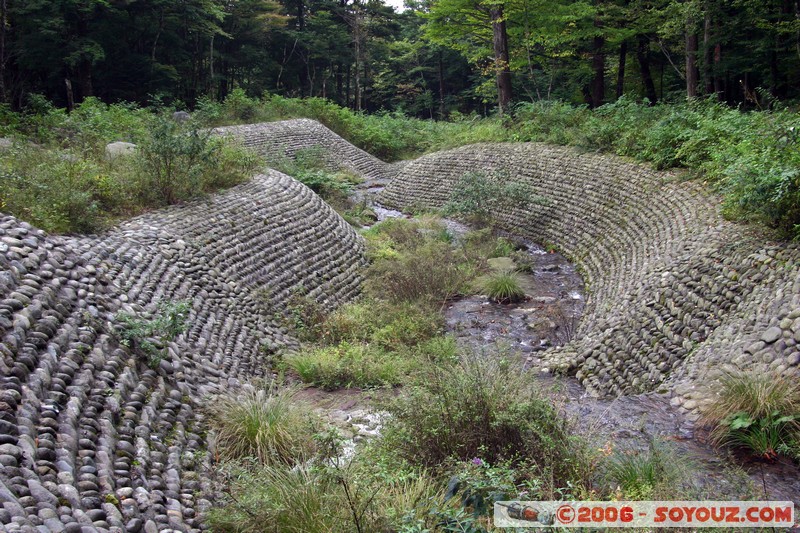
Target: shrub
(272,426)
(758,412)
(149,335)
(504,287)
(179,162)
(482,408)
(478,197)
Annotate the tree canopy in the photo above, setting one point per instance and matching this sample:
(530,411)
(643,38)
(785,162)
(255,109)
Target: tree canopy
(430,60)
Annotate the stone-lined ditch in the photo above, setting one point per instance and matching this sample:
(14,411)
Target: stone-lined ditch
(549,317)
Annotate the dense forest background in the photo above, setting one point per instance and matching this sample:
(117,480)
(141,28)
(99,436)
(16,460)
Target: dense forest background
(435,58)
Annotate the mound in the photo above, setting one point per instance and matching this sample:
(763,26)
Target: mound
(89,434)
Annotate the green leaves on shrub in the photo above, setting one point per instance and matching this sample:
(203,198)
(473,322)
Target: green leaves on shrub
(479,197)
(149,335)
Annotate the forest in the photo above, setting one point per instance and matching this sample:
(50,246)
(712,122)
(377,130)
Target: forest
(429,60)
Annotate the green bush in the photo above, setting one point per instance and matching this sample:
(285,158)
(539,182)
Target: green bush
(179,162)
(483,408)
(150,334)
(758,412)
(272,426)
(477,197)
(504,287)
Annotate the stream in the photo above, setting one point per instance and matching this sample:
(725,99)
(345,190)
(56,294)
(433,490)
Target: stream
(555,299)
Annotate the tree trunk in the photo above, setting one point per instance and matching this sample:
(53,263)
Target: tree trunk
(708,53)
(3,60)
(692,74)
(643,58)
(623,57)
(442,110)
(598,89)
(501,59)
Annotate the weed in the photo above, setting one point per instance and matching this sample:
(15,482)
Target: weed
(759,412)
(150,335)
(272,426)
(504,287)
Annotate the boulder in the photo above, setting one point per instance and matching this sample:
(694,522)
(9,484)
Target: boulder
(119,149)
(181,116)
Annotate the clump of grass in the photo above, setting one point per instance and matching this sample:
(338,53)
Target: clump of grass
(390,326)
(272,426)
(504,287)
(349,365)
(646,475)
(758,412)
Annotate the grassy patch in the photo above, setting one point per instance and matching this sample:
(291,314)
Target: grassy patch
(486,409)
(349,365)
(655,474)
(274,427)
(65,183)
(757,412)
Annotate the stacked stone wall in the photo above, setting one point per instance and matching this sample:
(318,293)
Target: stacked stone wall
(276,140)
(677,294)
(90,436)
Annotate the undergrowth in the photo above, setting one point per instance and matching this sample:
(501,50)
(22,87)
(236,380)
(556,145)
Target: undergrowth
(757,412)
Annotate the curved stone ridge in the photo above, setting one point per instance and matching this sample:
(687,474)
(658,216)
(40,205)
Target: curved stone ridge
(287,137)
(676,293)
(90,436)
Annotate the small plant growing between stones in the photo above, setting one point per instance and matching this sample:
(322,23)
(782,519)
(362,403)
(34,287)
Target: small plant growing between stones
(150,335)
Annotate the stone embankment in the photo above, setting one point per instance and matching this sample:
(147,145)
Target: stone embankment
(677,295)
(91,437)
(276,140)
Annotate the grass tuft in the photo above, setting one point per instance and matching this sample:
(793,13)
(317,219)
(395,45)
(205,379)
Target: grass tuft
(274,427)
(759,412)
(504,287)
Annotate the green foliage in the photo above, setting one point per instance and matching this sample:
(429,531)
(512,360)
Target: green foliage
(413,261)
(335,497)
(69,185)
(389,326)
(646,475)
(503,287)
(487,409)
(478,197)
(311,167)
(349,365)
(758,412)
(275,427)
(149,335)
